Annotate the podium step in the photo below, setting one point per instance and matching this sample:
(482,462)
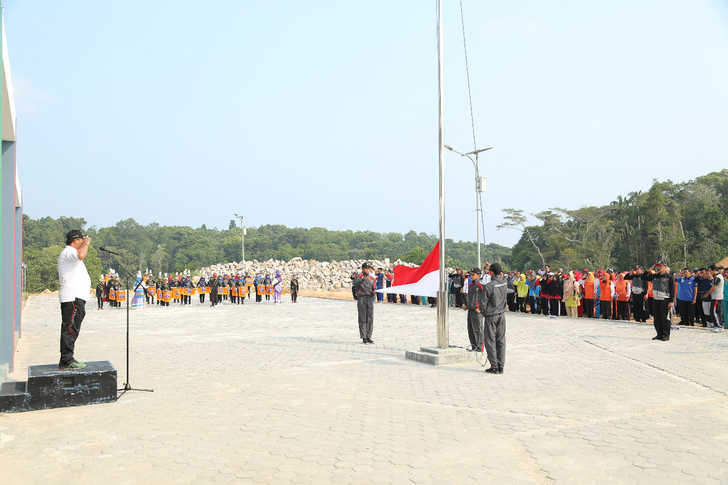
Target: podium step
(50,387)
(14,397)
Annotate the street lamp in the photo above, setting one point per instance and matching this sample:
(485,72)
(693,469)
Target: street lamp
(479,187)
(242,235)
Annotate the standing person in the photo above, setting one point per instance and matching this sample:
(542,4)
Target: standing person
(704,284)
(268,284)
(294,289)
(687,293)
(75,287)
(457,287)
(277,287)
(545,285)
(475,302)
(557,289)
(638,291)
(389,276)
(379,275)
(364,285)
(534,293)
(494,308)
(623,290)
(353,278)
(605,295)
(511,295)
(663,292)
(589,295)
(713,300)
(100,294)
(201,285)
(725,299)
(214,285)
(571,295)
(521,286)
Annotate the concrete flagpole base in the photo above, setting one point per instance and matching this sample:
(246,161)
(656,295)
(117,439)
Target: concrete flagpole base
(438,356)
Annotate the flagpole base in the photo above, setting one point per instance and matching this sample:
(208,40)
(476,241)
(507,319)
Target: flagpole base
(438,356)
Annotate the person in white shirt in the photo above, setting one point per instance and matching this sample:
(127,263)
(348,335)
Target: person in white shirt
(75,288)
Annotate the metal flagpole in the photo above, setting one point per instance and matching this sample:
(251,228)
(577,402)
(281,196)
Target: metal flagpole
(443,332)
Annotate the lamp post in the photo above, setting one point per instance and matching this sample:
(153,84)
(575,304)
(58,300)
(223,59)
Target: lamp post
(479,187)
(242,236)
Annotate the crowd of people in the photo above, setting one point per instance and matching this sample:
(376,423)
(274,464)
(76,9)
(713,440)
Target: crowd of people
(697,296)
(181,288)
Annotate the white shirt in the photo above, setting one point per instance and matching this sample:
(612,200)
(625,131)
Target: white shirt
(73,275)
(718,292)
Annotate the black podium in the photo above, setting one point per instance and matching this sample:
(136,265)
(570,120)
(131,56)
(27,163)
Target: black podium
(49,387)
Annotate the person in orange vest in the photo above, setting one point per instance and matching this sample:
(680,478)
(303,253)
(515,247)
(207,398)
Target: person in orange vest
(605,295)
(624,290)
(589,292)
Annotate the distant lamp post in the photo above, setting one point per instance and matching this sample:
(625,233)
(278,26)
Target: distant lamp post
(242,235)
(479,188)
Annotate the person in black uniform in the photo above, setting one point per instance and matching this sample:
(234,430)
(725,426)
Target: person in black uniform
(494,308)
(100,294)
(663,293)
(639,290)
(364,286)
(294,289)
(475,301)
(214,284)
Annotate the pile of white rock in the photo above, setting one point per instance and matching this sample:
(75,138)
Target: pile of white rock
(312,274)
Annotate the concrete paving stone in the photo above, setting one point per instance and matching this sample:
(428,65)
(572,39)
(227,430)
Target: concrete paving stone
(286,394)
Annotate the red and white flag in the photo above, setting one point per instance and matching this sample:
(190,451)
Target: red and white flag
(421,280)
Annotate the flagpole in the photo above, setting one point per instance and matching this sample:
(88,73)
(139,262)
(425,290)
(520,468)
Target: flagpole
(443,333)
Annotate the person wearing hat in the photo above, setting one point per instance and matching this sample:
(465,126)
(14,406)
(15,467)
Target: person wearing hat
(663,293)
(493,310)
(364,285)
(75,288)
(475,301)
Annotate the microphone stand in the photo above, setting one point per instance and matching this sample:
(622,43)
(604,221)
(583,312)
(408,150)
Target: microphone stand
(127,385)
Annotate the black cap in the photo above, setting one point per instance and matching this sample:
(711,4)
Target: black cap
(366,266)
(475,271)
(73,234)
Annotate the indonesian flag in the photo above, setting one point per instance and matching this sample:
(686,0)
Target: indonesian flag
(422,280)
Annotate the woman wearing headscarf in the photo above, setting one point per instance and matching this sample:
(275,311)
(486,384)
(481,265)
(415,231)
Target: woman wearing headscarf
(277,287)
(572,295)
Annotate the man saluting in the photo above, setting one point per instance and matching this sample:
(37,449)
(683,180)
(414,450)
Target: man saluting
(75,288)
(363,286)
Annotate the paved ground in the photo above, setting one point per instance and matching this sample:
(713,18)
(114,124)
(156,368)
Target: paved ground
(287,394)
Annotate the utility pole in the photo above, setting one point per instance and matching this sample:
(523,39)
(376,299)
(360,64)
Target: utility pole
(242,235)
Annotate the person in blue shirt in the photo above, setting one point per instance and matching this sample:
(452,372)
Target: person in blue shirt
(379,275)
(687,293)
(534,293)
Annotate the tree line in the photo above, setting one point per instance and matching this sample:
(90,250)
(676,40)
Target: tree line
(170,249)
(684,224)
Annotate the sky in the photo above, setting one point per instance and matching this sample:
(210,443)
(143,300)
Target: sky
(324,113)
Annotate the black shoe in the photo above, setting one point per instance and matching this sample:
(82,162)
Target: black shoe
(500,370)
(657,338)
(665,339)
(370,341)
(364,341)
(492,370)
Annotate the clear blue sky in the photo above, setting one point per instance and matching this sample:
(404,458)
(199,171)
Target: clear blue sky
(323,113)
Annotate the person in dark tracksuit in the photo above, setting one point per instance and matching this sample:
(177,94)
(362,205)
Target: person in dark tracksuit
(100,295)
(494,308)
(475,301)
(663,292)
(201,283)
(294,289)
(639,291)
(364,285)
(214,284)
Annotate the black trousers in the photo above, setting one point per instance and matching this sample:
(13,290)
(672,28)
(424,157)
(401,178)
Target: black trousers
(638,307)
(72,313)
(686,309)
(554,307)
(475,331)
(511,300)
(213,298)
(698,310)
(294,296)
(662,325)
(459,300)
(544,305)
(588,308)
(622,310)
(100,302)
(605,309)
(532,304)
(202,298)
(521,303)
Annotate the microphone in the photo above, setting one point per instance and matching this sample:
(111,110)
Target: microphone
(108,251)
